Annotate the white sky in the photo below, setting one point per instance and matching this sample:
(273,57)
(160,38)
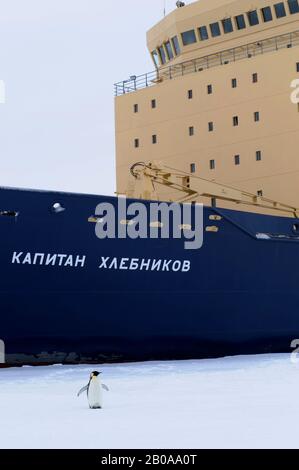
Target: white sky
(59,60)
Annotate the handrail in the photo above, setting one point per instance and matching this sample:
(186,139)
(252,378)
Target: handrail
(253,49)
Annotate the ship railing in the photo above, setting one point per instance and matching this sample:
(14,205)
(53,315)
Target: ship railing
(200,64)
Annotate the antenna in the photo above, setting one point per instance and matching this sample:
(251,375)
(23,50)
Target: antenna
(164,11)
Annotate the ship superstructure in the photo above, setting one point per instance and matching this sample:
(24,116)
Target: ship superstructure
(218,104)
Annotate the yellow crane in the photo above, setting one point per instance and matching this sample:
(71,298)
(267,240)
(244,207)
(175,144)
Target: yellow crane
(148,176)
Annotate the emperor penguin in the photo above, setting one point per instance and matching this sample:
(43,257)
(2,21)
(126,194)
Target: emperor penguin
(94,391)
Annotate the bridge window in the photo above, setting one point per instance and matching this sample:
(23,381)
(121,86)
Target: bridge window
(210,89)
(154,139)
(153,104)
(190,94)
(136,143)
(240,21)
(136,108)
(237,159)
(234,83)
(169,50)
(260,193)
(254,78)
(176,46)
(193,168)
(215,29)
(162,55)
(203,33)
(211,126)
(256,116)
(188,37)
(267,14)
(280,10)
(191,131)
(253,18)
(155,58)
(227,25)
(212,164)
(293,6)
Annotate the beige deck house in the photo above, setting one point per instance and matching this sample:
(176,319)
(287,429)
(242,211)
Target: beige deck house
(218,103)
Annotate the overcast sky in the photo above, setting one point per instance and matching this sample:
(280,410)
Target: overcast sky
(59,60)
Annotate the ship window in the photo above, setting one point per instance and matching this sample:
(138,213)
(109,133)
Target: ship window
(258,155)
(256,116)
(240,21)
(190,94)
(237,159)
(154,139)
(227,25)
(234,83)
(193,168)
(253,18)
(211,126)
(280,10)
(155,58)
(235,121)
(188,37)
(215,29)
(191,131)
(169,50)
(267,14)
(297,67)
(176,46)
(136,108)
(210,89)
(260,193)
(136,143)
(162,54)
(254,78)
(203,33)
(153,104)
(293,6)
(212,165)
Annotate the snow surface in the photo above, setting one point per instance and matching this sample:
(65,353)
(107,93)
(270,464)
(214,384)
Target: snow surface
(241,402)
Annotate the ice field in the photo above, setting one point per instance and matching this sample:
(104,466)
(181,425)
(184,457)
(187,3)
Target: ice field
(241,402)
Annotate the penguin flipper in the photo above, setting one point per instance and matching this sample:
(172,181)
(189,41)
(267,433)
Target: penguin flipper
(105,387)
(84,389)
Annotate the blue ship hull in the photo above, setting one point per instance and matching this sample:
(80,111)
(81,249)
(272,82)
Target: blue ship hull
(239,296)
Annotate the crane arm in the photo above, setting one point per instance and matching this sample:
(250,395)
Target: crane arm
(148,176)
